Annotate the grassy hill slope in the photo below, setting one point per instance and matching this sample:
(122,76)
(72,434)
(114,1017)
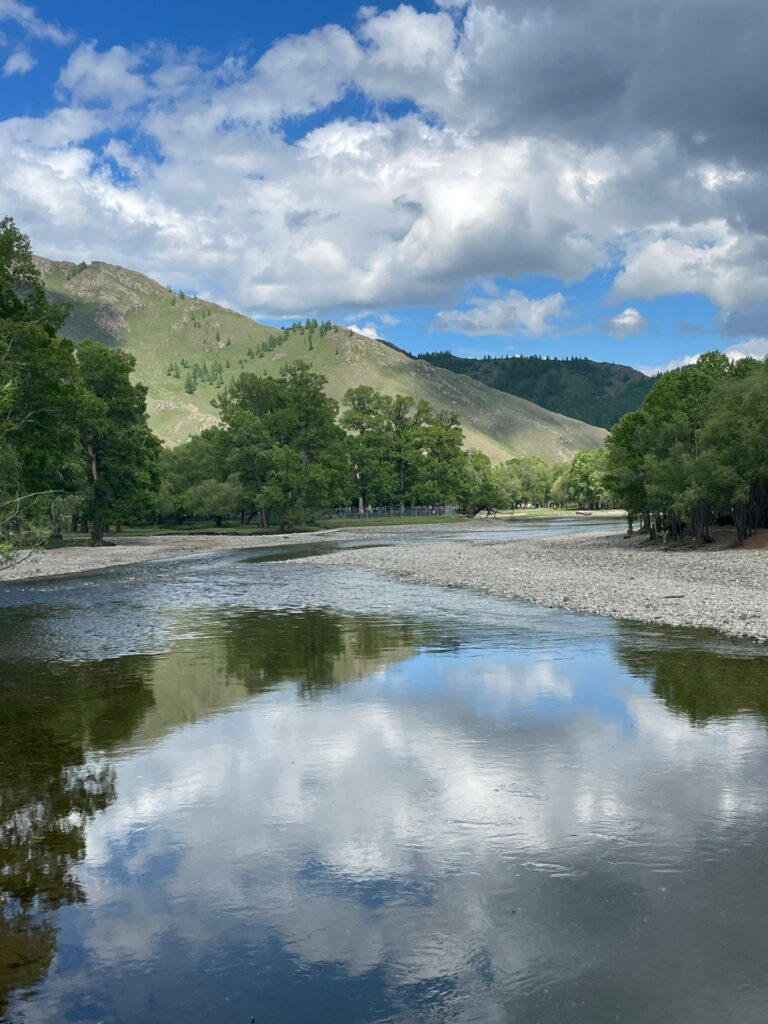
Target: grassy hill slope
(598,393)
(162,329)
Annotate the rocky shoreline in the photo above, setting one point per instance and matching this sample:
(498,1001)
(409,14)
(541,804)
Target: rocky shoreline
(597,573)
(132,550)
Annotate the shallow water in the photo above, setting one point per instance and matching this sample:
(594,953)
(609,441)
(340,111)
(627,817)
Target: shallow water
(234,787)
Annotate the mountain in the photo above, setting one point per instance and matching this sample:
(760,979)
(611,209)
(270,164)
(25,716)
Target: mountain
(598,393)
(186,349)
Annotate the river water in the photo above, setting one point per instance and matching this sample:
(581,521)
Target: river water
(232,786)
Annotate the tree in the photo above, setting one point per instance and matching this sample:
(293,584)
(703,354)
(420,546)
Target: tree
(733,463)
(38,391)
(285,444)
(695,449)
(480,490)
(120,449)
(586,478)
(213,499)
(369,447)
(403,451)
(624,476)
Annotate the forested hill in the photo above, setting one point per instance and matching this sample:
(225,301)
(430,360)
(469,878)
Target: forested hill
(187,350)
(598,393)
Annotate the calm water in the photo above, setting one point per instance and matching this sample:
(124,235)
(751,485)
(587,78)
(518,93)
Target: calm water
(232,787)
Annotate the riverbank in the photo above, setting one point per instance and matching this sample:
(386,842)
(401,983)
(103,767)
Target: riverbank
(597,573)
(69,561)
(127,549)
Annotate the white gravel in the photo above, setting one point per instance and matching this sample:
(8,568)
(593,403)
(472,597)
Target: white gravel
(130,550)
(602,574)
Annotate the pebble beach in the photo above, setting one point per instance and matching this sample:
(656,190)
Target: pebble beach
(595,573)
(598,573)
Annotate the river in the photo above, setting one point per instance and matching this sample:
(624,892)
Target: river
(244,785)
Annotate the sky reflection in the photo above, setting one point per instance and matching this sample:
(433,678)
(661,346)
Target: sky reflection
(334,816)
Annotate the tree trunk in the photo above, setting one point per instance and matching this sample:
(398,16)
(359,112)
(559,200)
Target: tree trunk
(97,531)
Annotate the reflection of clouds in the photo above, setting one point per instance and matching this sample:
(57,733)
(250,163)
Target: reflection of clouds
(567,820)
(527,682)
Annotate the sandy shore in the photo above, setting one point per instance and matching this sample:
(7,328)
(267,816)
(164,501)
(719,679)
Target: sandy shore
(602,574)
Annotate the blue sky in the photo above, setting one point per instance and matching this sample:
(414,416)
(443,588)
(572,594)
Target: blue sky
(491,176)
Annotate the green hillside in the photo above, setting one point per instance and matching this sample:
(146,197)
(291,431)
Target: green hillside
(598,393)
(204,345)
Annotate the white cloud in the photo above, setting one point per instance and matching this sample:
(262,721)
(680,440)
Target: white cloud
(110,77)
(709,259)
(512,313)
(630,321)
(19,63)
(368,330)
(25,16)
(502,167)
(755,348)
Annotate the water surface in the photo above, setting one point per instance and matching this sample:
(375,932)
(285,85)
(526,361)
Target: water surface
(235,787)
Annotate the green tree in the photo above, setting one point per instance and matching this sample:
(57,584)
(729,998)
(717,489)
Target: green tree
(480,490)
(38,392)
(285,444)
(624,474)
(120,449)
(213,499)
(586,478)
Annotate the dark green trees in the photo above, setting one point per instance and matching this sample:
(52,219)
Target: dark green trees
(120,450)
(70,422)
(37,376)
(403,452)
(696,450)
(285,444)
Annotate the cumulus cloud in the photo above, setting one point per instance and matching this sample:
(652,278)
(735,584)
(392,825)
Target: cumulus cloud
(110,77)
(511,313)
(630,321)
(538,140)
(755,348)
(19,63)
(368,330)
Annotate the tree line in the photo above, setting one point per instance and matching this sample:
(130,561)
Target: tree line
(696,452)
(73,427)
(75,443)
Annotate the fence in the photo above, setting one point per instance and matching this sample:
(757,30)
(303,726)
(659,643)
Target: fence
(387,512)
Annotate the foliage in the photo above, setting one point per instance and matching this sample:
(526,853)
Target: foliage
(598,393)
(120,449)
(285,444)
(696,450)
(403,452)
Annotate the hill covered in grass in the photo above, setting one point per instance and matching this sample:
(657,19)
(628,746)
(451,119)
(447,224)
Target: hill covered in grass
(599,393)
(187,349)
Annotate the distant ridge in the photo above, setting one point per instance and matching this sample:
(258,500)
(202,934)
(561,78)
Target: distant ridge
(596,392)
(176,338)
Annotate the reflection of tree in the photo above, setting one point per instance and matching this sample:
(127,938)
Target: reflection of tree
(57,725)
(701,684)
(315,648)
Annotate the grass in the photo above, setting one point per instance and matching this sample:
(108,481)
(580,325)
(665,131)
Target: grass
(160,327)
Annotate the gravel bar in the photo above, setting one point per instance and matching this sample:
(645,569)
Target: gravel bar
(596,573)
(131,550)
